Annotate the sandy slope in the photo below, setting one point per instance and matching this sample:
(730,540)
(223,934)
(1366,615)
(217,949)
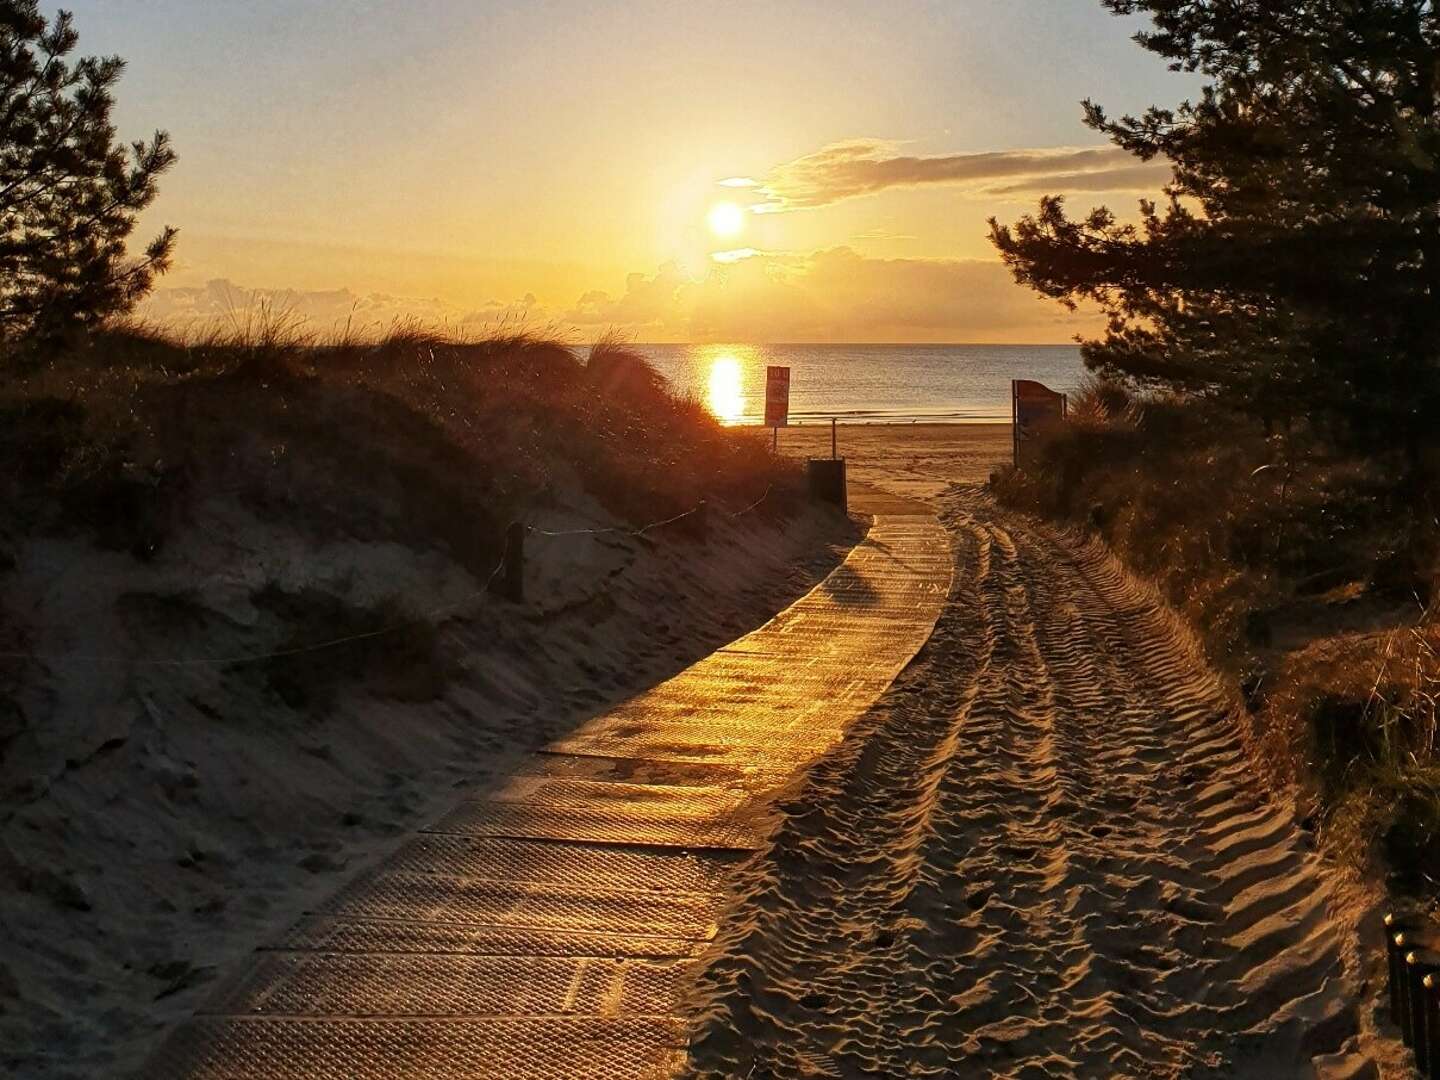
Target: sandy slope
(1041,854)
(544,927)
(157,821)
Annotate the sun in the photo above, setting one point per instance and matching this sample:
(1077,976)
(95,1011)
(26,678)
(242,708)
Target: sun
(726,219)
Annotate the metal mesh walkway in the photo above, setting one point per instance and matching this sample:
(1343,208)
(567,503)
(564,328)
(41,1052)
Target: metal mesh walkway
(544,931)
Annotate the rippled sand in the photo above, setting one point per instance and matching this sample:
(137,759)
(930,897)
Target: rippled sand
(1042,853)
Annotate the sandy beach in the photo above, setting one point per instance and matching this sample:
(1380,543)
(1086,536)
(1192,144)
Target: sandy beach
(917,460)
(653,541)
(1042,848)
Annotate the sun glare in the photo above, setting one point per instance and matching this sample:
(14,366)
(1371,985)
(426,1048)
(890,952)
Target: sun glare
(725,394)
(726,219)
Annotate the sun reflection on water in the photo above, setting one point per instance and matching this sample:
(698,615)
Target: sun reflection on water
(725,386)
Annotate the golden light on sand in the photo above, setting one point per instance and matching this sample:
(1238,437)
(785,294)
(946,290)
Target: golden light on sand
(725,388)
(726,219)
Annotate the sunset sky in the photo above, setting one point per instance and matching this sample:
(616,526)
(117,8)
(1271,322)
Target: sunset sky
(562,162)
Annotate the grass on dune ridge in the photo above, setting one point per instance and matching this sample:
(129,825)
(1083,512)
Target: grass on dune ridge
(1311,574)
(418,435)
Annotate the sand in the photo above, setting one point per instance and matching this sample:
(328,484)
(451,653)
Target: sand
(917,460)
(1044,852)
(544,926)
(157,823)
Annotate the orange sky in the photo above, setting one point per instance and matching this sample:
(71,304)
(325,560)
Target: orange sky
(558,163)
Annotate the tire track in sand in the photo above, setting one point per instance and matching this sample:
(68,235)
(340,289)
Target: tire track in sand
(1040,854)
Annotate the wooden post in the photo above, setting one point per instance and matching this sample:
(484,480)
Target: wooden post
(827,480)
(833,454)
(512,576)
(1404,986)
(1014,423)
(1419,964)
(1429,1046)
(699,522)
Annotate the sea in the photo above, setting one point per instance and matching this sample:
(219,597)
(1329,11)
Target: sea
(867,384)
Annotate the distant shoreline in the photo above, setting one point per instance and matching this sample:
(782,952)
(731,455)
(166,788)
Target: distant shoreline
(868,384)
(824,421)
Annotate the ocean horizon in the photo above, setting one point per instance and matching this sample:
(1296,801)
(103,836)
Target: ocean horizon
(867,384)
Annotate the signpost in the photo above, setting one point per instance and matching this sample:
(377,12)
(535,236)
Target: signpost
(777,401)
(1034,407)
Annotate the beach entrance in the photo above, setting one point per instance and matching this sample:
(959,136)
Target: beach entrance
(1034,409)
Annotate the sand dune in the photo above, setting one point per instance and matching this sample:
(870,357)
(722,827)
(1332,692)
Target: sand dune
(171,820)
(1041,854)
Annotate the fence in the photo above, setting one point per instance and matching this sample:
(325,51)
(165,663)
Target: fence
(1414,984)
(506,580)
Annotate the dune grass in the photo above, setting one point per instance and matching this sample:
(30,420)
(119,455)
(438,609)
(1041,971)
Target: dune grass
(416,435)
(1311,575)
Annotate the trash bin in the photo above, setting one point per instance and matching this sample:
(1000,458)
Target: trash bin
(827,480)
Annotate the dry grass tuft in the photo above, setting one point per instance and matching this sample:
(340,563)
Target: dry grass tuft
(1104,405)
(614,368)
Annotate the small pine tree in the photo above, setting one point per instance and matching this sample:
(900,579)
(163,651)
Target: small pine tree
(69,191)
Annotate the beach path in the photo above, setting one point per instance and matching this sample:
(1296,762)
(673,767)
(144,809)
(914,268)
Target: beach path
(549,929)
(1044,852)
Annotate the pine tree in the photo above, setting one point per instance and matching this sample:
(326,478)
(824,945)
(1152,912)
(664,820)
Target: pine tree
(1294,265)
(69,191)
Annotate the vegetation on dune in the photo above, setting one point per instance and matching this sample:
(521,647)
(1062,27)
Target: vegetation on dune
(1262,437)
(122,433)
(129,438)
(453,438)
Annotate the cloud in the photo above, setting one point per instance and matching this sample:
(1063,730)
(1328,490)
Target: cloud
(884,234)
(856,167)
(1143,178)
(648,302)
(832,295)
(735,255)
